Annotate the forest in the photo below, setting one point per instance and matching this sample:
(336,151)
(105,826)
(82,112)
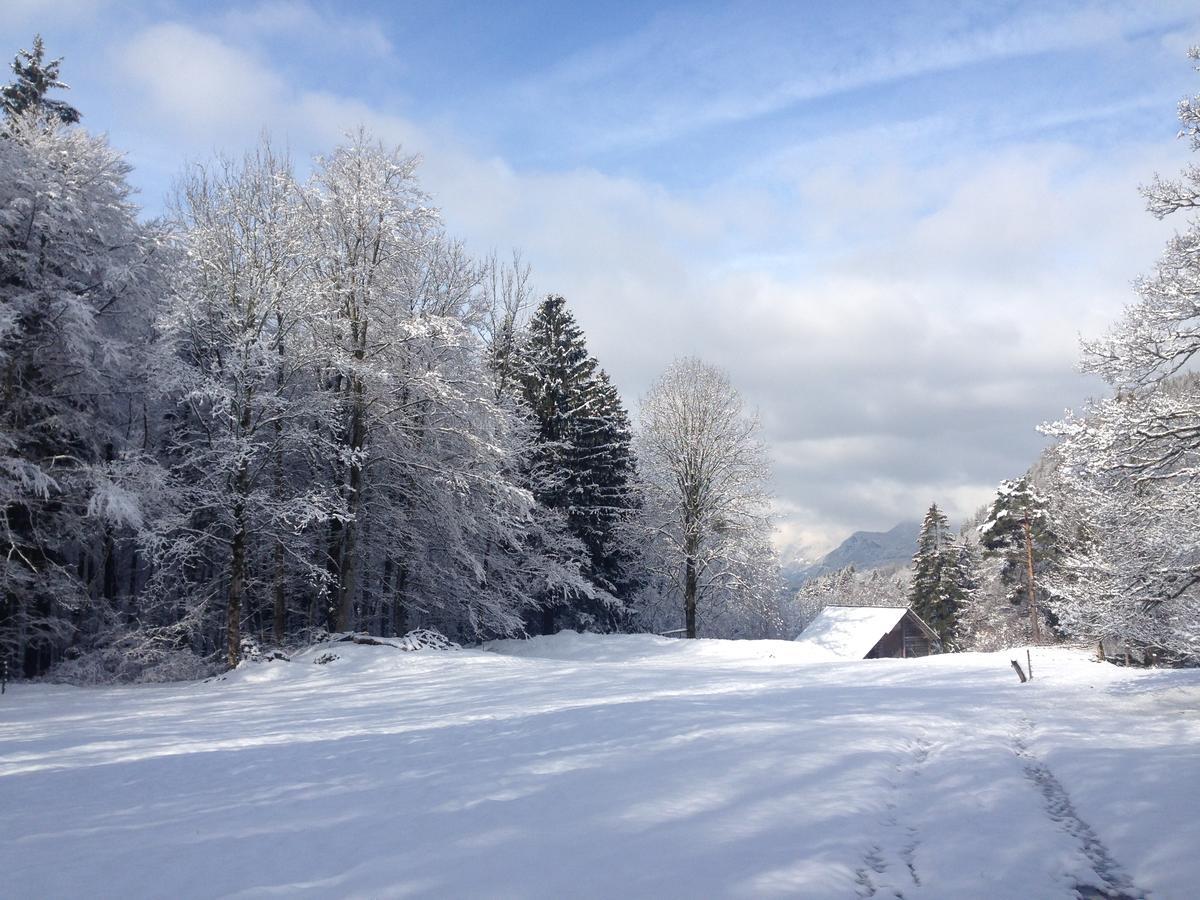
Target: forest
(296,405)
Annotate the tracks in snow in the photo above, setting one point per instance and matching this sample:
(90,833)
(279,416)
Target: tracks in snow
(1115,883)
(889,866)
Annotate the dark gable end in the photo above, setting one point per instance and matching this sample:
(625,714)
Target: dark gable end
(909,637)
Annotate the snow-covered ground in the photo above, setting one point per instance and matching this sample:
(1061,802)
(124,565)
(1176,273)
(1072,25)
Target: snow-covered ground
(583,766)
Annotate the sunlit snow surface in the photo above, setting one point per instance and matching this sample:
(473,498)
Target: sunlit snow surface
(583,766)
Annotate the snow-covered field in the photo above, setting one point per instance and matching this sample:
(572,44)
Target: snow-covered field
(583,766)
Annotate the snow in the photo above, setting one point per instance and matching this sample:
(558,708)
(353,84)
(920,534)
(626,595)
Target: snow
(602,766)
(849,632)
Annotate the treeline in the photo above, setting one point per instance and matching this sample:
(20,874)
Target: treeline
(297,404)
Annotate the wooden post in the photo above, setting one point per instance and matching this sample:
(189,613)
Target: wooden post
(1016,665)
(1029,663)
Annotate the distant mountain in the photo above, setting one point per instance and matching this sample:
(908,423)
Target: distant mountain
(864,550)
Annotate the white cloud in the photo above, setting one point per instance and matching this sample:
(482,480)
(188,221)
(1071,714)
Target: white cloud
(198,85)
(40,14)
(293,19)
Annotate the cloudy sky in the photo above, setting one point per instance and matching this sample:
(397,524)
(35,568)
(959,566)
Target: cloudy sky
(890,222)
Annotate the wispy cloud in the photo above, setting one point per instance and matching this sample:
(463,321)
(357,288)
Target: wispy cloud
(689,70)
(292,20)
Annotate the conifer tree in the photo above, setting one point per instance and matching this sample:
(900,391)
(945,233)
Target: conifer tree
(603,494)
(939,582)
(583,463)
(35,78)
(1019,529)
(557,375)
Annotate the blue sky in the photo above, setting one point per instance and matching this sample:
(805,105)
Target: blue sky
(890,221)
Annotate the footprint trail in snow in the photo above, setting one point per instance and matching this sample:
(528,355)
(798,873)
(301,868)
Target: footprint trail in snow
(889,865)
(1115,884)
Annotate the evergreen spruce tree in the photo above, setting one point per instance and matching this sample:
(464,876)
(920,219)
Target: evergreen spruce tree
(557,375)
(583,465)
(36,78)
(603,494)
(1019,529)
(969,563)
(938,584)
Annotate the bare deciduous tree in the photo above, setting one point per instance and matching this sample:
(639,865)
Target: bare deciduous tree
(705,474)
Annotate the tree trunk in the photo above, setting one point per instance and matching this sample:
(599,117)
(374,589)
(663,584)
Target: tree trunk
(110,568)
(1033,615)
(237,579)
(334,568)
(400,609)
(349,561)
(133,574)
(109,582)
(280,606)
(690,584)
(387,610)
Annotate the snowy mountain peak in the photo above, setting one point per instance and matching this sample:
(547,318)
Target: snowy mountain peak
(864,550)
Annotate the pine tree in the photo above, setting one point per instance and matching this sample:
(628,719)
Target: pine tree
(969,569)
(1020,530)
(939,581)
(557,375)
(583,464)
(603,493)
(36,78)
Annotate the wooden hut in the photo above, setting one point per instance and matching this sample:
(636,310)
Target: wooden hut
(871,632)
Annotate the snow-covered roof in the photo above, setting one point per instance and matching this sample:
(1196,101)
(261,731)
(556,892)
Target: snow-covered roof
(851,631)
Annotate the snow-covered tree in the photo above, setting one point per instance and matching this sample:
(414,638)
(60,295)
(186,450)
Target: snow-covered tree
(607,496)
(939,583)
(78,277)
(583,464)
(1130,462)
(507,293)
(430,457)
(1131,577)
(236,358)
(35,78)
(338,451)
(373,228)
(1019,528)
(705,476)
